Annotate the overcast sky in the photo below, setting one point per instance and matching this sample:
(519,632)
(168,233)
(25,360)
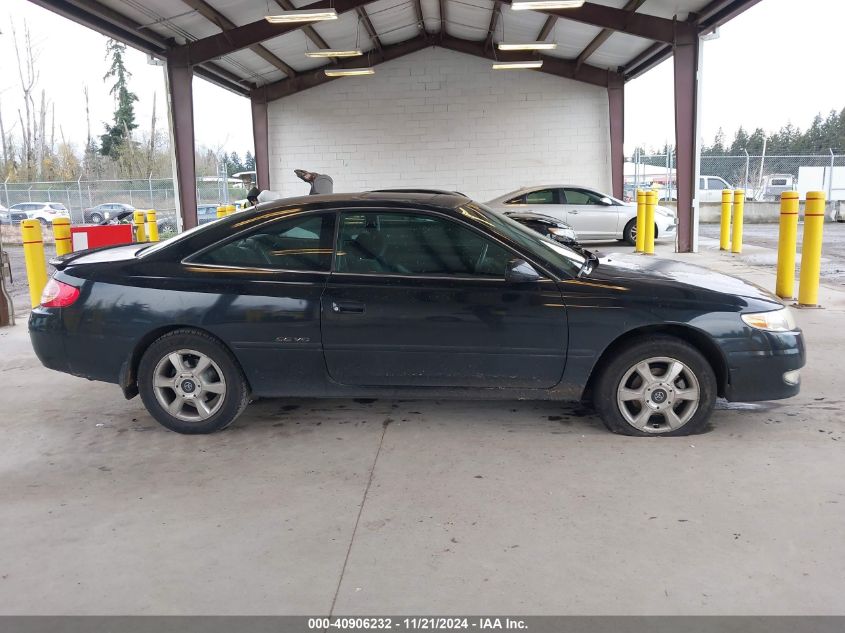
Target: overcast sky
(777,62)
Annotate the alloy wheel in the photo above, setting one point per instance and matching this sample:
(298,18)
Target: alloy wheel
(189,385)
(658,395)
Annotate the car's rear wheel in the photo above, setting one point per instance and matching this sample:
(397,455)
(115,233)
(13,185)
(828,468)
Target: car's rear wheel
(656,386)
(190,383)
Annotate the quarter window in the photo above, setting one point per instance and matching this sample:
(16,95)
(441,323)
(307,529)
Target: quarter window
(415,244)
(300,243)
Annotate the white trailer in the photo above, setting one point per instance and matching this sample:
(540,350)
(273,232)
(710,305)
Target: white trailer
(827,179)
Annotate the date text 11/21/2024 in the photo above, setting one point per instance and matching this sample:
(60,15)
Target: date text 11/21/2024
(430,623)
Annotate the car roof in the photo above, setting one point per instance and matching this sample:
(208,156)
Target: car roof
(442,200)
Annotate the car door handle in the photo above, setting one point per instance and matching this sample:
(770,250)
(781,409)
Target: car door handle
(347,307)
(572,212)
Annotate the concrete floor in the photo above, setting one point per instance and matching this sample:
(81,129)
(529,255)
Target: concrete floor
(318,506)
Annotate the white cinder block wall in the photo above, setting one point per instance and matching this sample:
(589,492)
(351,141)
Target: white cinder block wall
(445,120)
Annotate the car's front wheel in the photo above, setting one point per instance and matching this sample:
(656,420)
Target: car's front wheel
(629,234)
(656,386)
(96,218)
(190,383)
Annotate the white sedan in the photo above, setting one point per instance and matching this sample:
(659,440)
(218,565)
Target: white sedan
(593,215)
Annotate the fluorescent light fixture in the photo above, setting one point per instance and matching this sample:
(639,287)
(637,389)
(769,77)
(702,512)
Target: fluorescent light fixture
(540,5)
(332,52)
(528,46)
(302,15)
(517,65)
(348,72)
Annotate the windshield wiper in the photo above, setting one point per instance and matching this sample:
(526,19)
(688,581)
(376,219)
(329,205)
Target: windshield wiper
(591,261)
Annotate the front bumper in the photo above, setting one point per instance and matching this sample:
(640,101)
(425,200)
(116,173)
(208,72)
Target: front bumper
(767,372)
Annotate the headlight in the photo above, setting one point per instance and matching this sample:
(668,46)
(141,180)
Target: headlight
(774,321)
(107,215)
(563,232)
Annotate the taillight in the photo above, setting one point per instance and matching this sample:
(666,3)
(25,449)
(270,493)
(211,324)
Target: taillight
(57,294)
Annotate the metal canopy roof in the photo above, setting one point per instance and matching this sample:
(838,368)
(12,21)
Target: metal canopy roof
(230,43)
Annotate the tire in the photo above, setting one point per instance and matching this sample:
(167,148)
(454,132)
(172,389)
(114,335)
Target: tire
(95,218)
(629,233)
(44,223)
(167,227)
(186,401)
(622,385)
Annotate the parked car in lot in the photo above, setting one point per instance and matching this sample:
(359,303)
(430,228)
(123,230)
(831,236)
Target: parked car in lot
(546,225)
(593,215)
(105,211)
(205,213)
(12,217)
(409,296)
(45,212)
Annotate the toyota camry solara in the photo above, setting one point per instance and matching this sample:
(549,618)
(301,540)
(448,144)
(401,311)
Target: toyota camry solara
(403,295)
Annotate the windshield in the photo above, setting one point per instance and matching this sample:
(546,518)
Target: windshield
(559,256)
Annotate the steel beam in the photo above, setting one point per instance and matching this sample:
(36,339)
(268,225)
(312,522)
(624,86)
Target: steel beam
(225,24)
(368,26)
(720,11)
(181,108)
(616,110)
(494,20)
(309,30)
(245,36)
(551,65)
(260,139)
(112,24)
(548,25)
(312,79)
(603,36)
(686,58)
(647,26)
(442,4)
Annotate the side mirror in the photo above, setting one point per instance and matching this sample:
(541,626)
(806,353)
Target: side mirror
(520,271)
(606,201)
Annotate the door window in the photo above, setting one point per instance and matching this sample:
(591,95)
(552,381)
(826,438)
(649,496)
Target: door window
(582,196)
(415,244)
(717,183)
(300,243)
(541,196)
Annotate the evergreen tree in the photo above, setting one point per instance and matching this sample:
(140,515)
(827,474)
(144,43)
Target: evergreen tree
(233,164)
(124,114)
(249,160)
(740,142)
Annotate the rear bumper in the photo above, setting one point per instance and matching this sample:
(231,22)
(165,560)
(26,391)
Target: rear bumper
(47,334)
(769,372)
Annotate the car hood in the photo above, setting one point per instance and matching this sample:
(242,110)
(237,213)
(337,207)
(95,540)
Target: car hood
(667,279)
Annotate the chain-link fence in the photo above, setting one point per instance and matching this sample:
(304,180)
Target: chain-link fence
(79,196)
(764,177)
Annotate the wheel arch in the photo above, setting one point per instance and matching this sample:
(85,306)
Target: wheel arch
(129,370)
(695,337)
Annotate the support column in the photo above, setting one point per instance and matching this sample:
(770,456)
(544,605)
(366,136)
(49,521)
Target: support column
(180,105)
(616,103)
(260,139)
(687,55)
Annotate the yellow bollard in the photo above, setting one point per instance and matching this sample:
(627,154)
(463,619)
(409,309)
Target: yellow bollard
(231,209)
(152,226)
(641,196)
(787,240)
(648,222)
(725,226)
(736,232)
(222,211)
(811,250)
(33,253)
(140,220)
(61,235)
